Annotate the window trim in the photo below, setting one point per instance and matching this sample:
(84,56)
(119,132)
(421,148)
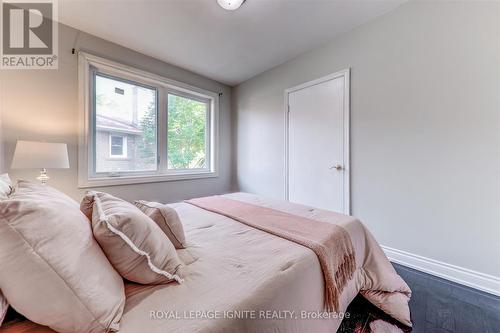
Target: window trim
(86,178)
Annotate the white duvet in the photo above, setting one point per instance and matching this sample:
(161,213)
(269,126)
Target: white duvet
(239,279)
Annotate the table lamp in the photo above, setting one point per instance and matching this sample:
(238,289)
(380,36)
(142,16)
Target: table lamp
(40,155)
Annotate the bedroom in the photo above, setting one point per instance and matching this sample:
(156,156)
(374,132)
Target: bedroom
(167,101)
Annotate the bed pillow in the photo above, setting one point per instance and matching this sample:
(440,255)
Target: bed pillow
(5,191)
(167,219)
(5,186)
(4,306)
(53,271)
(133,243)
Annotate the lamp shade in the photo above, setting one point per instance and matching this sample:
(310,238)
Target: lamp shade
(40,155)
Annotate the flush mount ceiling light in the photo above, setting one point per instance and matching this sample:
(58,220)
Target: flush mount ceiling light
(230,4)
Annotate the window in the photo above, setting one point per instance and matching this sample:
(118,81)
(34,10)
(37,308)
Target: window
(187,133)
(117,146)
(125,115)
(139,127)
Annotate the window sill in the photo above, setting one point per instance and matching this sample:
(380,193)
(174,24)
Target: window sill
(118,158)
(130,180)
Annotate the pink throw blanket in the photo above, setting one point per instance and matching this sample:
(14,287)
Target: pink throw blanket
(330,242)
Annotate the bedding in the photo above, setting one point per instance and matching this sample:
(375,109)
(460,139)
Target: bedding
(167,219)
(53,271)
(4,306)
(5,191)
(234,270)
(330,242)
(136,247)
(5,186)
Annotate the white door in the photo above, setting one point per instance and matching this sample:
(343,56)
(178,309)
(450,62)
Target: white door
(318,143)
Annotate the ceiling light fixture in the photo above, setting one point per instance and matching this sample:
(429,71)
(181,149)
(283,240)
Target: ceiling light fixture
(230,4)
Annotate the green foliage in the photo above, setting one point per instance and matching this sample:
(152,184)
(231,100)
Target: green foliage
(186,133)
(147,146)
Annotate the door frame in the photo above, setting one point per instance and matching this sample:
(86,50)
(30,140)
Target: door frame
(346,204)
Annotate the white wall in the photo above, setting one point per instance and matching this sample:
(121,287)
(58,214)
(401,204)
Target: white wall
(43,105)
(425,106)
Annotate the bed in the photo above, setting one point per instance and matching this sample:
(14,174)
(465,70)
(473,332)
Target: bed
(240,279)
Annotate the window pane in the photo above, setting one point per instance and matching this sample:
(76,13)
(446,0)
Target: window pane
(116,150)
(186,133)
(125,131)
(117,145)
(117,141)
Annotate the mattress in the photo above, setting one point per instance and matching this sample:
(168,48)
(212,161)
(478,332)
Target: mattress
(240,279)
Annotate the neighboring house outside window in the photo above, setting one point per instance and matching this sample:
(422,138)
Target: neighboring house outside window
(116,145)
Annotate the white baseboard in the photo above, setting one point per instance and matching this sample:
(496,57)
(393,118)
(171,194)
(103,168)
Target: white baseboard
(464,276)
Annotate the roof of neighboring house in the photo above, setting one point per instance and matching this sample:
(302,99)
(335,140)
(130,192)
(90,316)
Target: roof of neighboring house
(115,125)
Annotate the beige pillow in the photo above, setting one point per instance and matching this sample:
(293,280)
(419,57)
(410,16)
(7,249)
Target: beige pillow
(5,186)
(167,219)
(53,271)
(133,243)
(4,306)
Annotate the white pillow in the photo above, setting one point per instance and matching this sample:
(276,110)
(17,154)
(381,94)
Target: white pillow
(134,244)
(4,306)
(167,219)
(5,186)
(53,272)
(5,191)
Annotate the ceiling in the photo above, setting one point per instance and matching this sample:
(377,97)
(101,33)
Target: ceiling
(226,46)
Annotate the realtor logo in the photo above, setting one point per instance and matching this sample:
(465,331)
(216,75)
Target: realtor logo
(29,34)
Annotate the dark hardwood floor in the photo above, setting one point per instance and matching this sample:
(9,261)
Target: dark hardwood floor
(437,306)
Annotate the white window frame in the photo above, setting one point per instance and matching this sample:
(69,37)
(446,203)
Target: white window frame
(124,146)
(87,63)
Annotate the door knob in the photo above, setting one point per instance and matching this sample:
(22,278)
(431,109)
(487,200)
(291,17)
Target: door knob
(337,167)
